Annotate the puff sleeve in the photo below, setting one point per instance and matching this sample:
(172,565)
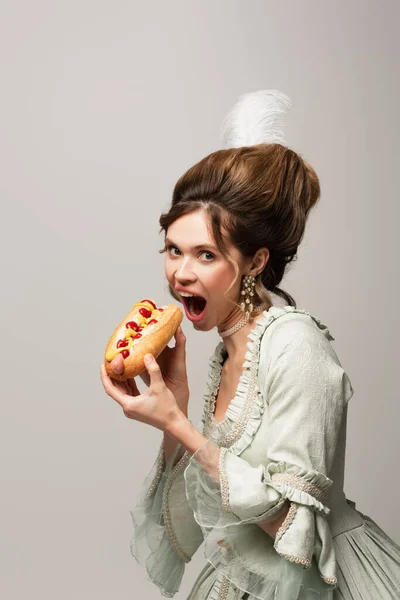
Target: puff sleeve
(165,533)
(306,391)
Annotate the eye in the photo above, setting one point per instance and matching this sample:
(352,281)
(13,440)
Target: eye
(170,247)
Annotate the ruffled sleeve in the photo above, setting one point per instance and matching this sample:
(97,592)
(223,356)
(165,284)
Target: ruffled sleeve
(165,533)
(306,391)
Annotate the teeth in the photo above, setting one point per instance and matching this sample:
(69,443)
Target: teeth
(186,294)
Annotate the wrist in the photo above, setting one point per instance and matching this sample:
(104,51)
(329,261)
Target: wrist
(185,433)
(176,423)
(182,400)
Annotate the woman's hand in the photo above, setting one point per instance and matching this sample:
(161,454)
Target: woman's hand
(172,363)
(156,406)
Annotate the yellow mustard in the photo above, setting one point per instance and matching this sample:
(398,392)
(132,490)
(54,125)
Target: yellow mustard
(129,333)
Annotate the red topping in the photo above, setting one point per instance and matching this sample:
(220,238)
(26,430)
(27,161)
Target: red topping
(138,335)
(149,301)
(152,321)
(160,309)
(125,353)
(139,329)
(122,343)
(132,325)
(145,312)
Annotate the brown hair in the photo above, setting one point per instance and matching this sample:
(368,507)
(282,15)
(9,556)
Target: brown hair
(261,195)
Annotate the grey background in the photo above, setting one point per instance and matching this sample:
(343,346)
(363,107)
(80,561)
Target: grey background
(103,106)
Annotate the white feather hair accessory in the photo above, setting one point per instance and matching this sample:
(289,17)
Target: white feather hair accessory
(256,118)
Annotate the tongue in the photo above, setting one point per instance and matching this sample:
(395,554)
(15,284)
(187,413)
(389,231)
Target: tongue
(196,305)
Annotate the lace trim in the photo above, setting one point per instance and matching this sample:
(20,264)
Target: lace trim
(224,481)
(287,522)
(300,484)
(165,508)
(303,561)
(160,460)
(300,560)
(330,580)
(297,559)
(226,582)
(224,589)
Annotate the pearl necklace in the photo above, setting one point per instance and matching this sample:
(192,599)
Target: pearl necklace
(240,323)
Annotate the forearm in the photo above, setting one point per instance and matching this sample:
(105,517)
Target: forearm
(170,444)
(183,431)
(192,440)
(271,527)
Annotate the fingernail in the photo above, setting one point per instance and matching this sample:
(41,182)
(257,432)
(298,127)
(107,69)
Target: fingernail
(148,359)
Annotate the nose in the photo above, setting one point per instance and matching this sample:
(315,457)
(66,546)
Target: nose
(184,273)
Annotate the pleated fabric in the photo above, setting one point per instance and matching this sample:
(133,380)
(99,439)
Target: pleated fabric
(368,564)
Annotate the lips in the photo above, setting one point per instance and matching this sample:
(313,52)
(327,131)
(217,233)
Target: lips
(194,308)
(177,289)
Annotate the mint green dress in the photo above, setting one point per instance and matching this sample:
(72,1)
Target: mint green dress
(281,445)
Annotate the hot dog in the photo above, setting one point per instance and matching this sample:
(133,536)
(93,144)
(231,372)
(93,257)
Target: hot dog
(145,329)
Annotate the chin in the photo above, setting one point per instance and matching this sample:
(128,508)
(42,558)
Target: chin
(202,326)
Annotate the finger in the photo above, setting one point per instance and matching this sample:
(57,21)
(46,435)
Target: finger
(144,376)
(179,335)
(110,388)
(133,387)
(180,338)
(156,378)
(122,386)
(117,364)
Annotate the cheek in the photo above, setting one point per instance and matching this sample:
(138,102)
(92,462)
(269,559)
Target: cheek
(222,279)
(168,272)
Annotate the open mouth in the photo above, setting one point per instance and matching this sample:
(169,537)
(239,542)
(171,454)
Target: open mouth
(195,305)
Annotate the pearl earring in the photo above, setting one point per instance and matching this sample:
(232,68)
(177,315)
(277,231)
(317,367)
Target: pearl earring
(247,292)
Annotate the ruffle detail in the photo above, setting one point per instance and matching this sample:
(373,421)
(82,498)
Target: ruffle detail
(214,373)
(206,497)
(306,534)
(307,487)
(215,492)
(150,543)
(244,413)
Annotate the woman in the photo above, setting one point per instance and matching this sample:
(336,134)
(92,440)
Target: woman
(260,481)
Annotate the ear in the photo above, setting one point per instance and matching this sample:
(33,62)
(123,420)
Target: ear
(259,261)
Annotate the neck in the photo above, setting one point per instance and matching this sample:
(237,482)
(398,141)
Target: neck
(236,343)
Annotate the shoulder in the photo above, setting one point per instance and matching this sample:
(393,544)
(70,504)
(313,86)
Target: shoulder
(295,344)
(289,335)
(288,325)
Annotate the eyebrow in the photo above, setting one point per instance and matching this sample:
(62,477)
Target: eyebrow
(199,247)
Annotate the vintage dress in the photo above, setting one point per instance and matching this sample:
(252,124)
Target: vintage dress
(282,443)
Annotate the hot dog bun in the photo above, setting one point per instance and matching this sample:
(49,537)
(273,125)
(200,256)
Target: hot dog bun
(145,329)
